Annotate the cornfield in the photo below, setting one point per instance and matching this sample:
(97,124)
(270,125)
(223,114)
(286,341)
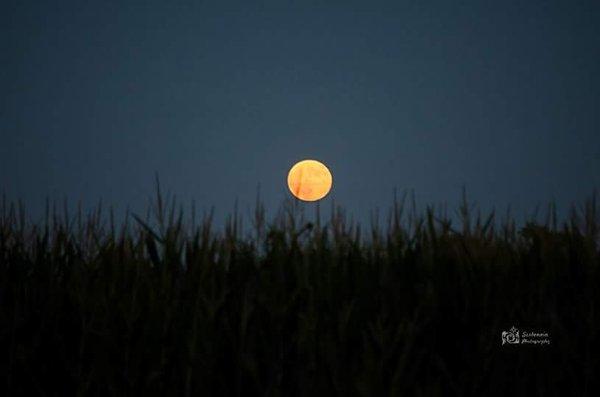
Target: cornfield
(163,305)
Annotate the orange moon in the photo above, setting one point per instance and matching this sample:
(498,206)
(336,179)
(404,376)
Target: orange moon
(309,180)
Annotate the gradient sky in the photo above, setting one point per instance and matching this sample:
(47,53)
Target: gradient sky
(500,96)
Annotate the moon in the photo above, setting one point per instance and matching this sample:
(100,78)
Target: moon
(309,180)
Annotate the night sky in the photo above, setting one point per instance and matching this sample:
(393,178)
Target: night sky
(502,97)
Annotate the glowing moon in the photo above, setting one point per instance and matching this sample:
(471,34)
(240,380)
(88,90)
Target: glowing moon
(309,180)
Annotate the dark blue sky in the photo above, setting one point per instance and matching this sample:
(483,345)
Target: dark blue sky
(500,96)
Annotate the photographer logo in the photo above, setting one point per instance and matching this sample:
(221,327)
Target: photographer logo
(511,336)
(514,337)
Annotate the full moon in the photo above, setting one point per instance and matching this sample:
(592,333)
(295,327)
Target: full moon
(309,180)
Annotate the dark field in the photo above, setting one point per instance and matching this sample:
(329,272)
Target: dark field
(298,307)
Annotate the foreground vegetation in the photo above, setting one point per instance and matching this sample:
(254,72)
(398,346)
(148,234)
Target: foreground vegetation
(161,306)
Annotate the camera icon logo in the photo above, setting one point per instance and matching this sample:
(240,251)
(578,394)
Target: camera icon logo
(511,336)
